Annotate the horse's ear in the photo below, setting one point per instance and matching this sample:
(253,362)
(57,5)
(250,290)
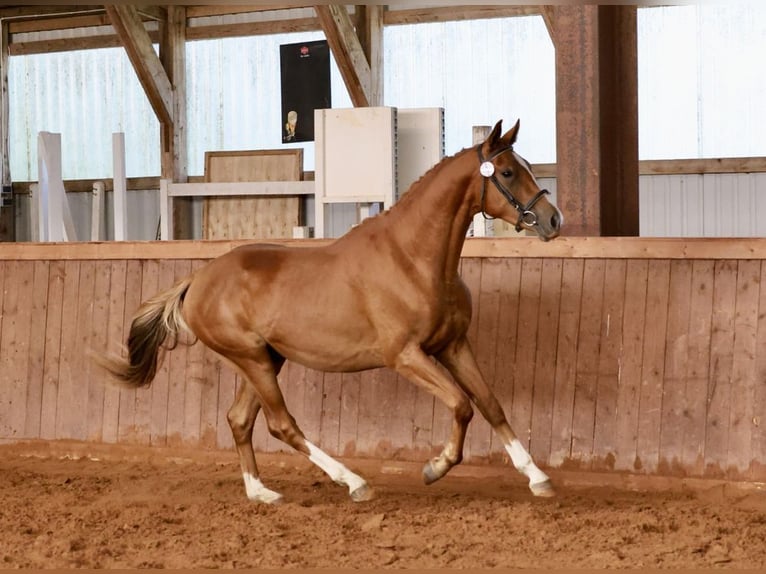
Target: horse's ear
(510,137)
(493,139)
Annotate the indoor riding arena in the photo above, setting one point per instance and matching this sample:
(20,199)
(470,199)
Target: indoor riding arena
(624,347)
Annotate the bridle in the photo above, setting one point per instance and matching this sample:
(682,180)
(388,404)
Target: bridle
(487,169)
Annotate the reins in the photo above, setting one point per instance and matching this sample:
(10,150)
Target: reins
(487,169)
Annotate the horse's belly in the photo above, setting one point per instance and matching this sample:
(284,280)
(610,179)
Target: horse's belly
(327,350)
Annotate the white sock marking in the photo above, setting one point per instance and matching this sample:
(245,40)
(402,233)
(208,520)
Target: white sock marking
(524,463)
(256,491)
(335,470)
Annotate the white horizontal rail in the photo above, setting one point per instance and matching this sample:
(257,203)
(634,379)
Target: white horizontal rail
(169,190)
(241,188)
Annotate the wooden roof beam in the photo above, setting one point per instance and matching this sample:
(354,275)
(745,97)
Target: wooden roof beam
(127,23)
(348,51)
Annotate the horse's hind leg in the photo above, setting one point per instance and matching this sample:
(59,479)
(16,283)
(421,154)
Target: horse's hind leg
(459,360)
(242,415)
(260,376)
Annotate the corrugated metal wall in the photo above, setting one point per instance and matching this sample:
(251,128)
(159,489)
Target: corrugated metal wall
(710,205)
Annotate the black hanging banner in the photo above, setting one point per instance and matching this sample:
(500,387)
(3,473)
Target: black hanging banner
(305,69)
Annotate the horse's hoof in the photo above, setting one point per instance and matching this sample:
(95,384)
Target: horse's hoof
(543,489)
(270,497)
(363,494)
(430,475)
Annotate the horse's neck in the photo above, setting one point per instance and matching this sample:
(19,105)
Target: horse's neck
(430,224)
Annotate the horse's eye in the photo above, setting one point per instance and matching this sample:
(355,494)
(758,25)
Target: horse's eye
(507,173)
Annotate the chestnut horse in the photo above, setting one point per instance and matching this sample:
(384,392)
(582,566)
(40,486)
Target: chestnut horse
(386,294)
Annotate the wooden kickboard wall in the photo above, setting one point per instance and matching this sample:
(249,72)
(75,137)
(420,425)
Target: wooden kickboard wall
(243,217)
(639,365)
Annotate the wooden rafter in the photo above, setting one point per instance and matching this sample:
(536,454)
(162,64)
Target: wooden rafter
(547,13)
(127,23)
(348,52)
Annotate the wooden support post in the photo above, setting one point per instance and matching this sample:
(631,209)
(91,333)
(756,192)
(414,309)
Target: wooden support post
(166,210)
(7,207)
(173,136)
(370,32)
(120,192)
(596,118)
(97,211)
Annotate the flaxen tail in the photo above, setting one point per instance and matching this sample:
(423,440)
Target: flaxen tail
(155,327)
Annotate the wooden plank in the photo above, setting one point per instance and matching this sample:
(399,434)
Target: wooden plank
(617,248)
(80,364)
(545,360)
(236,188)
(758,443)
(629,383)
(393,16)
(3,266)
(586,376)
(384,395)
(195,383)
(202,11)
(403,416)
(653,370)
(237,29)
(347,50)
(177,359)
(743,382)
(210,391)
(349,413)
(702,166)
(566,362)
(114,346)
(312,404)
(227,385)
(610,348)
(650,248)
(36,364)
(209,373)
(676,361)
(98,343)
(58,23)
(698,368)
(369,393)
(142,422)
(252,217)
(484,302)
(23,277)
(14,352)
(51,364)
(331,407)
(69,44)
(505,362)
(126,431)
(161,276)
(68,413)
(721,364)
(526,341)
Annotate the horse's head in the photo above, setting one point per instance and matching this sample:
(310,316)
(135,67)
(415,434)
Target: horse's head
(510,191)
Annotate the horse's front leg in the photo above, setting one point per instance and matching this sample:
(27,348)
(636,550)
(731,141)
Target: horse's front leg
(460,361)
(420,369)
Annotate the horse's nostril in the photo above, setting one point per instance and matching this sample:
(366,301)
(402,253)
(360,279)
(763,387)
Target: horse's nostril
(555,221)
